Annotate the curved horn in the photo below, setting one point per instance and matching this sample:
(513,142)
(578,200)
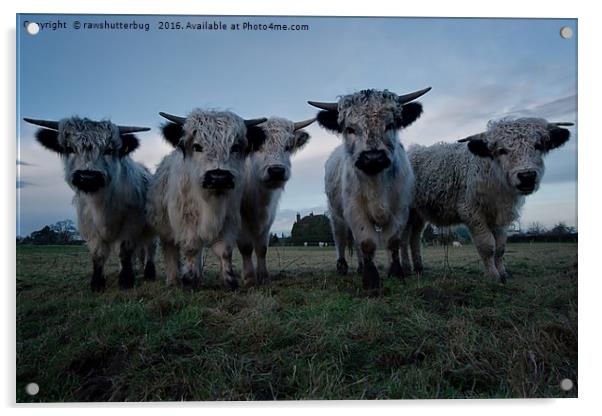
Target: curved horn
(300,124)
(131,129)
(562,123)
(172,118)
(325,106)
(473,137)
(53,125)
(255,121)
(406,98)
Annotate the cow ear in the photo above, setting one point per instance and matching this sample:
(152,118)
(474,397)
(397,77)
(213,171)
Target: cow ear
(49,139)
(558,137)
(479,147)
(255,137)
(129,143)
(301,139)
(172,132)
(409,114)
(329,119)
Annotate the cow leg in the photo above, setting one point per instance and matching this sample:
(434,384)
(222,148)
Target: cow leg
(261,250)
(100,253)
(485,243)
(150,271)
(245,246)
(223,251)
(370,276)
(171,257)
(404,248)
(416,244)
(500,247)
(191,276)
(395,269)
(126,274)
(360,260)
(340,232)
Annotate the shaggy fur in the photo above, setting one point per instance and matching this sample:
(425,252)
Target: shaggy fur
(477,183)
(188,216)
(368,208)
(262,193)
(115,214)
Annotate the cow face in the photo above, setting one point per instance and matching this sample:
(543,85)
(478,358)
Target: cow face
(214,145)
(517,147)
(91,151)
(271,163)
(369,122)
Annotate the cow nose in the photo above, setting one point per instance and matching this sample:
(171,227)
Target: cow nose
(373,161)
(88,180)
(527,178)
(218,179)
(277,173)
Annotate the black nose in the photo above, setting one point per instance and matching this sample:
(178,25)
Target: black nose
(218,179)
(527,178)
(277,173)
(373,161)
(88,180)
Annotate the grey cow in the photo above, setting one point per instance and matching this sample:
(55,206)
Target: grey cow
(368,178)
(267,171)
(195,195)
(110,190)
(481,182)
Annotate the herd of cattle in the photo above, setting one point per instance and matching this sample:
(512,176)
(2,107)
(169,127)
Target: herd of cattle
(221,184)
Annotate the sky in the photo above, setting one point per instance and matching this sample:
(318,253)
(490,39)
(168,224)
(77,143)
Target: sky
(479,69)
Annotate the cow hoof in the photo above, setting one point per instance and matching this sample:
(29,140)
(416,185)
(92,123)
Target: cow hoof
(395,270)
(150,273)
(419,270)
(360,269)
(190,282)
(406,270)
(98,285)
(263,278)
(370,276)
(126,279)
(231,281)
(342,267)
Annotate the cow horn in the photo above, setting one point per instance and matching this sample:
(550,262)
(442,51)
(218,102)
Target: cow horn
(53,125)
(325,106)
(175,119)
(562,123)
(255,121)
(300,124)
(473,137)
(131,129)
(406,98)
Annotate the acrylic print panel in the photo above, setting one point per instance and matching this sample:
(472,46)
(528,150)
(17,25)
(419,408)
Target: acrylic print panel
(173,244)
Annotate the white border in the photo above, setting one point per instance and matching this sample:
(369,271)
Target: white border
(589,223)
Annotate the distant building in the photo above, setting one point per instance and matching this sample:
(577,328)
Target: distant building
(311,229)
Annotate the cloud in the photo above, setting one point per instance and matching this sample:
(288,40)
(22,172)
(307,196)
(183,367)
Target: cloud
(23,163)
(22,184)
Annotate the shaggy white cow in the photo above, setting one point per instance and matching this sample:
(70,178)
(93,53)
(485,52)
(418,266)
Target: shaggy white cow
(267,171)
(195,194)
(368,179)
(480,182)
(110,190)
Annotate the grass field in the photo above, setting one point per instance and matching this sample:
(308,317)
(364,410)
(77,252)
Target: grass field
(309,334)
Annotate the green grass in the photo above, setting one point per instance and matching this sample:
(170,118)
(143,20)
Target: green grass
(309,334)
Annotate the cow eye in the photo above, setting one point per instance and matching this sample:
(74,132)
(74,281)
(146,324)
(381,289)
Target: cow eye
(538,146)
(236,148)
(502,151)
(197,147)
(349,130)
(68,150)
(108,151)
(390,126)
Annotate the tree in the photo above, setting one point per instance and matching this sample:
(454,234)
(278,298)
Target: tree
(536,228)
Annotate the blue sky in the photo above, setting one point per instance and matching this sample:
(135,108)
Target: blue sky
(479,69)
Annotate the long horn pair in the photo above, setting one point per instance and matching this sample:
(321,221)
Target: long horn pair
(54,125)
(402,99)
(182,120)
(300,124)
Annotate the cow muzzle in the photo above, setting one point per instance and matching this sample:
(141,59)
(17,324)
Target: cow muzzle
(88,181)
(218,179)
(372,162)
(527,181)
(276,176)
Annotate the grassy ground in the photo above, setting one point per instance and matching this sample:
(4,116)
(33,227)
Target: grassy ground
(309,334)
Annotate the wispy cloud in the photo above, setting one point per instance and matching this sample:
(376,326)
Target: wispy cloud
(23,163)
(23,184)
